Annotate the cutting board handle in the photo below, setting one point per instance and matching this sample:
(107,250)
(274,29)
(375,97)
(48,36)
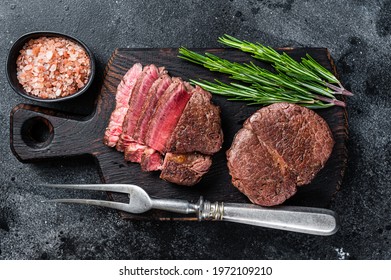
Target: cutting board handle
(38,133)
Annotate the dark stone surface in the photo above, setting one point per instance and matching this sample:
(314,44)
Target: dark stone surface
(357,34)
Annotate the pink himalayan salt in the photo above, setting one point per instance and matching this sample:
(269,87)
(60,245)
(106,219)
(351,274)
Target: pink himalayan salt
(52,67)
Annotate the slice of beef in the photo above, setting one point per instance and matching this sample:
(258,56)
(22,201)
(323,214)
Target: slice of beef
(151,160)
(281,146)
(149,75)
(258,172)
(299,135)
(185,169)
(124,91)
(134,151)
(126,85)
(168,111)
(199,128)
(154,94)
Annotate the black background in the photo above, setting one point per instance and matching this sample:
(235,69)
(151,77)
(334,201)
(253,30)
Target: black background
(357,33)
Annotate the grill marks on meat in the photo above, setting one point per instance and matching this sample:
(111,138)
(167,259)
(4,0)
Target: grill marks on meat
(280,147)
(124,91)
(160,130)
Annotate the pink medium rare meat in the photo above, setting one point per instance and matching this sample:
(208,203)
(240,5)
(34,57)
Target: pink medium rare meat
(151,160)
(124,91)
(154,94)
(148,163)
(198,130)
(127,84)
(134,151)
(149,75)
(168,111)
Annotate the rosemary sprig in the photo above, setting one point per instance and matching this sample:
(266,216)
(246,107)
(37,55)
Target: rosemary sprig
(306,83)
(266,87)
(308,69)
(258,94)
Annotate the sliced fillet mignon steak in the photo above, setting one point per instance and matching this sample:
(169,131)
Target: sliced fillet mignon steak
(280,147)
(165,124)
(124,91)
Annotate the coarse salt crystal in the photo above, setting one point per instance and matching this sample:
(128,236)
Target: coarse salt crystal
(49,54)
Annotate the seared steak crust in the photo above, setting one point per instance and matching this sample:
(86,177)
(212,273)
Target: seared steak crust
(199,128)
(185,169)
(258,172)
(294,143)
(299,135)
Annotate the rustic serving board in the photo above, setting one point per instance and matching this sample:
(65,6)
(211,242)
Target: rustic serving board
(39,134)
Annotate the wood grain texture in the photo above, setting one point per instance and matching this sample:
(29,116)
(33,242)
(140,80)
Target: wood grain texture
(65,135)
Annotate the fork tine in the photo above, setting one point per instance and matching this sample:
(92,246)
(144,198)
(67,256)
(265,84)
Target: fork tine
(121,188)
(103,203)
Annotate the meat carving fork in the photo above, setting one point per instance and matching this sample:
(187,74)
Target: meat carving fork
(317,221)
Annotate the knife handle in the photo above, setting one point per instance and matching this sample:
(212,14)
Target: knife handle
(317,221)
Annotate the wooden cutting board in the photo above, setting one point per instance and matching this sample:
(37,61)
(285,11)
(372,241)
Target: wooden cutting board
(39,134)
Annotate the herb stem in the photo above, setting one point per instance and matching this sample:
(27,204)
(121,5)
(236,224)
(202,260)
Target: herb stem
(309,68)
(306,83)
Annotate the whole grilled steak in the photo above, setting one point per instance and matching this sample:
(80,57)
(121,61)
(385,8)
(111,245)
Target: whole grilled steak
(281,146)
